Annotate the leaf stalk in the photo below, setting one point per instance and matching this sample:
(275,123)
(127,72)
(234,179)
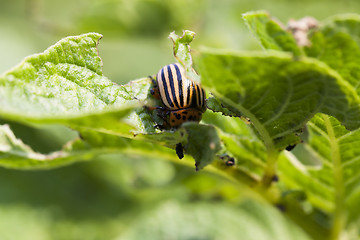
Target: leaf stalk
(339,217)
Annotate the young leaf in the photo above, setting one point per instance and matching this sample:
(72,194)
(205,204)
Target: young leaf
(182,52)
(270,32)
(333,184)
(337,44)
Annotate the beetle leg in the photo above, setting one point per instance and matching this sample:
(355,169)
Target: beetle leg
(154,91)
(152,80)
(148,108)
(159,126)
(162,113)
(163,109)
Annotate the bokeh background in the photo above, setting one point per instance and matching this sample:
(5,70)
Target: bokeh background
(109,198)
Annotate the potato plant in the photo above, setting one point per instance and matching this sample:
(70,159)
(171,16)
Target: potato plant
(301,91)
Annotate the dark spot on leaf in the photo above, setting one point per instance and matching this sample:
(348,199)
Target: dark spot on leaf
(179,150)
(230,162)
(275,178)
(81,136)
(281,207)
(197,166)
(290,147)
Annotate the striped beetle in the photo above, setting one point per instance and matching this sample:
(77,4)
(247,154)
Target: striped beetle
(183,99)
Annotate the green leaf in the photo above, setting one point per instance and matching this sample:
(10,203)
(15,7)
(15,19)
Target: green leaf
(198,140)
(65,79)
(167,138)
(250,154)
(240,142)
(337,44)
(203,143)
(15,154)
(215,105)
(251,221)
(270,32)
(182,52)
(93,143)
(278,94)
(332,182)
(65,85)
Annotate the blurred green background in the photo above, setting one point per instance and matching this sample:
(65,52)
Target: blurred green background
(108,197)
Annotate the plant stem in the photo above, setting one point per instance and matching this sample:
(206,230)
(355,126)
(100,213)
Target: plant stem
(339,218)
(270,170)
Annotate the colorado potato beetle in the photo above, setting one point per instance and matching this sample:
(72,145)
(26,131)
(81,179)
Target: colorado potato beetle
(183,99)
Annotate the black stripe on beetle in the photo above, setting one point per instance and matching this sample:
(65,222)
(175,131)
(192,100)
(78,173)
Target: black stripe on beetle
(203,97)
(172,86)
(178,92)
(165,89)
(180,85)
